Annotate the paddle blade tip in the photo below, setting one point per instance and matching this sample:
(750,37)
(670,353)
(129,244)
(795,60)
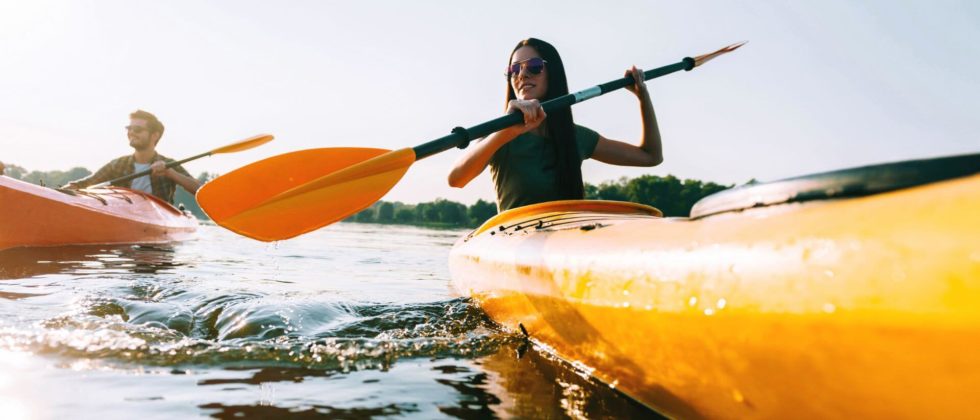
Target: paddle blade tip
(701,59)
(249,143)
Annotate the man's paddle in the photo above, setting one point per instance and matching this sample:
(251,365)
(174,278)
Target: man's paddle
(239,146)
(294,193)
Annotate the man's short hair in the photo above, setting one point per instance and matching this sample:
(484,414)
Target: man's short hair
(152,123)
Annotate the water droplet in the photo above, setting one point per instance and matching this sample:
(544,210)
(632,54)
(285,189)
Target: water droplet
(721,303)
(692,301)
(709,311)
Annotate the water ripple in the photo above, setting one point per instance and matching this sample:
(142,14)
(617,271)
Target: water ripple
(360,318)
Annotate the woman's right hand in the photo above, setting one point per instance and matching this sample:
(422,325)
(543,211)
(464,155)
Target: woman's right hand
(533,113)
(476,157)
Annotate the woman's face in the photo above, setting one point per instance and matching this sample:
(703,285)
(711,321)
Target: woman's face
(525,84)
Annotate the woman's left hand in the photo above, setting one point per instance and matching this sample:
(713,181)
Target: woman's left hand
(639,87)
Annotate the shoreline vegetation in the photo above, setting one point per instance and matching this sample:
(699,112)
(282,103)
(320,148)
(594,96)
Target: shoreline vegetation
(672,195)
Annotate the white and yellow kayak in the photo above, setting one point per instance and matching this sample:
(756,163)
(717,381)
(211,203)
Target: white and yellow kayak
(852,294)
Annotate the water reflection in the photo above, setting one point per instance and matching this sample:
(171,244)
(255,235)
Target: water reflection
(16,296)
(496,385)
(315,410)
(539,385)
(269,375)
(21,263)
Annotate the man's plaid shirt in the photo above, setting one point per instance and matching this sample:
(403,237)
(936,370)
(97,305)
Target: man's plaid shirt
(163,187)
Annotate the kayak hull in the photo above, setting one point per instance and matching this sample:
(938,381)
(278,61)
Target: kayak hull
(34,216)
(854,307)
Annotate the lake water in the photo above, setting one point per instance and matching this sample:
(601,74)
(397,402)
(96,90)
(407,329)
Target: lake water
(351,321)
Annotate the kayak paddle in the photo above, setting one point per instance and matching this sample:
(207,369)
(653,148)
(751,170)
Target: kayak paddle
(239,146)
(294,193)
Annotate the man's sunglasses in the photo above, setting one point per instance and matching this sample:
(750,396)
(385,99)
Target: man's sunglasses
(531,65)
(136,129)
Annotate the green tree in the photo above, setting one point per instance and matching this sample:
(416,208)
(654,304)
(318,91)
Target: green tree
(660,192)
(405,215)
(669,194)
(56,178)
(365,216)
(386,212)
(420,210)
(612,190)
(591,192)
(431,213)
(480,212)
(15,171)
(450,212)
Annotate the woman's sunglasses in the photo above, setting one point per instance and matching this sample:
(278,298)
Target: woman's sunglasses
(531,65)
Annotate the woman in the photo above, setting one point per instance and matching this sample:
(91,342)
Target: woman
(541,160)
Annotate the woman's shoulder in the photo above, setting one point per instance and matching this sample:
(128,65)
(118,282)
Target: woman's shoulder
(584,129)
(587,140)
(586,134)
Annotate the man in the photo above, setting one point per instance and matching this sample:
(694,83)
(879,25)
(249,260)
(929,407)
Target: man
(144,132)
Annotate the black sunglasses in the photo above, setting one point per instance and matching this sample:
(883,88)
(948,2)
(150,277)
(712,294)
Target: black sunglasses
(532,65)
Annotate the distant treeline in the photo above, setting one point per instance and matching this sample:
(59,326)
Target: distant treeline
(57,179)
(673,196)
(670,194)
(439,213)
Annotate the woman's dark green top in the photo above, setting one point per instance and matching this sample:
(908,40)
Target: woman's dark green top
(524,170)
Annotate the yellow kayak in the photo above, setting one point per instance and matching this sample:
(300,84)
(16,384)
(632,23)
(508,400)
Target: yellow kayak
(848,294)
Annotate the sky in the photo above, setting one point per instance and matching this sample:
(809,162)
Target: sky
(821,85)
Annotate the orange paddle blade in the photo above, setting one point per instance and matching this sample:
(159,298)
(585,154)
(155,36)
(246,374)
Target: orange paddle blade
(295,193)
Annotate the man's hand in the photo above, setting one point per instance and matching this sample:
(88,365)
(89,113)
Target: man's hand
(160,169)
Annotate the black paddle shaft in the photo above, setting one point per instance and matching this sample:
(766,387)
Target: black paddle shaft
(460,137)
(149,171)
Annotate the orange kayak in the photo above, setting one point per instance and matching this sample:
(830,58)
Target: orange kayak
(31,215)
(852,294)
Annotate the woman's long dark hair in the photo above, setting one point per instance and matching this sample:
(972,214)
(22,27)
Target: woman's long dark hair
(560,125)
